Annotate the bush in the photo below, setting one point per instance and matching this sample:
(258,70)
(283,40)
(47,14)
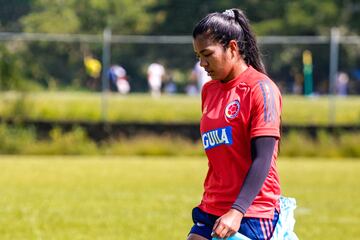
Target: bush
(297,144)
(75,142)
(146,145)
(350,143)
(13,140)
(20,140)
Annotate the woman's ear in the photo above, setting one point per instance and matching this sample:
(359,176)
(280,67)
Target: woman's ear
(233,46)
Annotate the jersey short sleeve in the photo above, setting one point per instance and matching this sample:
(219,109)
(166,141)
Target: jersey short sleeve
(266,109)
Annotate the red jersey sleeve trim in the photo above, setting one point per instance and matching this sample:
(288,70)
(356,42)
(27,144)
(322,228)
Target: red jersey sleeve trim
(272,132)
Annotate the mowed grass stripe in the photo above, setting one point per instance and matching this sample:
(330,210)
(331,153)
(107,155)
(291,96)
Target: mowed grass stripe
(177,108)
(152,198)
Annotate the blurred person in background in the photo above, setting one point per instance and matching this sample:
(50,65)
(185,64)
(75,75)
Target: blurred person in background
(169,84)
(199,75)
(93,70)
(191,88)
(155,75)
(342,81)
(297,81)
(240,128)
(117,75)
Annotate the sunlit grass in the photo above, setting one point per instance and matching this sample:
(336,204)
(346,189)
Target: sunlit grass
(178,108)
(321,110)
(151,198)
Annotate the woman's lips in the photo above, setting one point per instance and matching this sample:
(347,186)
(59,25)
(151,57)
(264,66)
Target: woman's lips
(210,73)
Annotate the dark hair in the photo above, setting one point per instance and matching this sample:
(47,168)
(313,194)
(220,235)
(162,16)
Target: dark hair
(232,25)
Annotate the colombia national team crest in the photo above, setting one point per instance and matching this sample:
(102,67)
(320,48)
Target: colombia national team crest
(232,109)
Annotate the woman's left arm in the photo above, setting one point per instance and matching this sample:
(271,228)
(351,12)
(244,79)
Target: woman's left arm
(262,149)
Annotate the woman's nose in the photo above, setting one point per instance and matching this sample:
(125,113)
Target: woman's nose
(203,62)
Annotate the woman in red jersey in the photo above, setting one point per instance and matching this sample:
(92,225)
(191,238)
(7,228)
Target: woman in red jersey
(240,128)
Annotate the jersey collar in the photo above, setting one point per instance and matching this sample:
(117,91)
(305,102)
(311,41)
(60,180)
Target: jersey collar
(243,77)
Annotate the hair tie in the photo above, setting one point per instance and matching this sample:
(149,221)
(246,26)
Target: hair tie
(229,13)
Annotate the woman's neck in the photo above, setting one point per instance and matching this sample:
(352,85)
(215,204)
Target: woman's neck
(237,70)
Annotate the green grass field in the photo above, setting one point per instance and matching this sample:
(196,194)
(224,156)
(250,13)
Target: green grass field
(151,198)
(143,108)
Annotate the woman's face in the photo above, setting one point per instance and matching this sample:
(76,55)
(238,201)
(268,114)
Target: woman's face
(214,58)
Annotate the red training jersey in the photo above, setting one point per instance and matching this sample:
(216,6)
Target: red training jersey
(232,114)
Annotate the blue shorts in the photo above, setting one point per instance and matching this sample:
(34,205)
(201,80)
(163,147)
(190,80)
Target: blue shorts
(253,228)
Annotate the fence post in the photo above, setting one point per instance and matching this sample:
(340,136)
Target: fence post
(334,61)
(0,72)
(105,67)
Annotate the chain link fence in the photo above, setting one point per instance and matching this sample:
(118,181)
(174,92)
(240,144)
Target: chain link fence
(302,65)
(56,61)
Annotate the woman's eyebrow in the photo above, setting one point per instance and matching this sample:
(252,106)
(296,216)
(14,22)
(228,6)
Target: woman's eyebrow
(202,51)
(205,49)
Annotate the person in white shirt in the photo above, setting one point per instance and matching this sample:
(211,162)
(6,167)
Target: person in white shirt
(155,75)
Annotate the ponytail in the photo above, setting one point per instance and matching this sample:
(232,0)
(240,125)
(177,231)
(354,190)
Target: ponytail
(232,25)
(248,46)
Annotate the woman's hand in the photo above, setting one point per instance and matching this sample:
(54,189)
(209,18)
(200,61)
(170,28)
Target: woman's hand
(228,224)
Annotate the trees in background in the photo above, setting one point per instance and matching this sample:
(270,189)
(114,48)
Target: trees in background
(61,64)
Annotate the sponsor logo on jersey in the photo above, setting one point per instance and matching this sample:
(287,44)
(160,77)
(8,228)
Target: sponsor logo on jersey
(217,137)
(232,109)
